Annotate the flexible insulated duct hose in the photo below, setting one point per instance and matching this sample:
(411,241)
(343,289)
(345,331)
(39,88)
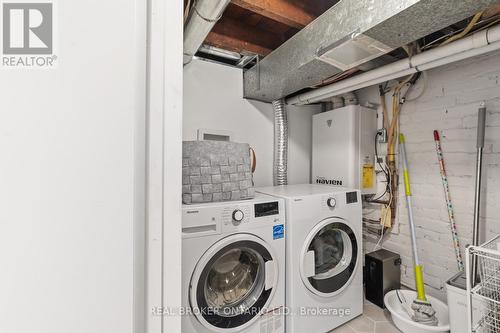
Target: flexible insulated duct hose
(280,174)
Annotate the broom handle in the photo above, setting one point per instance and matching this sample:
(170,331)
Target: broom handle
(449,205)
(481,126)
(419,276)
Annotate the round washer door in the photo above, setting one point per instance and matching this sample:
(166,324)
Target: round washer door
(329,257)
(233,283)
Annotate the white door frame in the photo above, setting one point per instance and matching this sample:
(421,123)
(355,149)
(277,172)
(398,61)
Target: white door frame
(164,165)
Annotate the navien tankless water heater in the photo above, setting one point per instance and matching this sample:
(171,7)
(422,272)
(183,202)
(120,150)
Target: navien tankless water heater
(344,148)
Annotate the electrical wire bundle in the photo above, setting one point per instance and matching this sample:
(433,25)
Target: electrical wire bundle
(389,169)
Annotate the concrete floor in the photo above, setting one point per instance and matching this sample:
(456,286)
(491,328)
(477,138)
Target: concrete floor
(373,320)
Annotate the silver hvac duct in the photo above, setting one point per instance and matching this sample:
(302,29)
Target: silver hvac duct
(350,34)
(280,163)
(204,15)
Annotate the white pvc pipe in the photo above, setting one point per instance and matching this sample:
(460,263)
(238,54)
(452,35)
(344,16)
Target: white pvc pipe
(493,34)
(475,41)
(204,15)
(460,56)
(479,43)
(371,82)
(348,84)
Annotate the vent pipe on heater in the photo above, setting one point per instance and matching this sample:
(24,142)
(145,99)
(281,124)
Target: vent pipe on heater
(280,163)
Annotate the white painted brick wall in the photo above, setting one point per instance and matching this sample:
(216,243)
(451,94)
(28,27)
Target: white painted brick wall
(448,104)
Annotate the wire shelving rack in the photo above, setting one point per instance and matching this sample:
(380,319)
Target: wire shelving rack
(483,294)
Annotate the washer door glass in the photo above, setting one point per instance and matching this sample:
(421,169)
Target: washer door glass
(332,251)
(235,281)
(231,289)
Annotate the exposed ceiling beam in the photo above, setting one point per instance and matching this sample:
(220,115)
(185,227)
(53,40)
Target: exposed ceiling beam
(281,11)
(231,35)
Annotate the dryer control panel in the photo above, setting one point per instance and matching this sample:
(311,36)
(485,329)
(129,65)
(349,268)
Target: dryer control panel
(331,201)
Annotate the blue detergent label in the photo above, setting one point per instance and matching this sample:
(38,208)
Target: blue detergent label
(278,231)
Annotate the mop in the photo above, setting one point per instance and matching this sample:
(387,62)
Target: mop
(422,309)
(449,206)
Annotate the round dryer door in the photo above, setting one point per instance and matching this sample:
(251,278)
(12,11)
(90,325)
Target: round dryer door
(233,283)
(330,256)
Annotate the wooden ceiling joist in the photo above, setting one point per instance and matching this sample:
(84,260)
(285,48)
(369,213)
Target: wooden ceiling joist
(233,36)
(282,11)
(261,26)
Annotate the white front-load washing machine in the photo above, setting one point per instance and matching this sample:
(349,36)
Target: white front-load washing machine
(233,266)
(324,277)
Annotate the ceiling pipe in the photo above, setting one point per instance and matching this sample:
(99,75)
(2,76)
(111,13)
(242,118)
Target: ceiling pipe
(477,44)
(208,49)
(204,15)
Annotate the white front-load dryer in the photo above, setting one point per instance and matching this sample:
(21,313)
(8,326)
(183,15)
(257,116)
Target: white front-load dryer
(233,266)
(324,278)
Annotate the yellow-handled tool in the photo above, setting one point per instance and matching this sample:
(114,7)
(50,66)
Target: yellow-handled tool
(423,311)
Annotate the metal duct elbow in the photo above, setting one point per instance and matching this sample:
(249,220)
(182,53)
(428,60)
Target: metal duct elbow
(280,163)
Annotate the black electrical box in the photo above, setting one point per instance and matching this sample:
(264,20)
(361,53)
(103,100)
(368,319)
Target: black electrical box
(382,274)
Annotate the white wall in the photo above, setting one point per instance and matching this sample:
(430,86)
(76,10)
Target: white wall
(449,104)
(71,143)
(213,99)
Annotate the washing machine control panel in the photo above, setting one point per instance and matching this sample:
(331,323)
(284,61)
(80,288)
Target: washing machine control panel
(236,216)
(251,215)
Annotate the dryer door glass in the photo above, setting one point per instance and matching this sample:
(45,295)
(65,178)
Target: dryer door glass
(231,289)
(335,251)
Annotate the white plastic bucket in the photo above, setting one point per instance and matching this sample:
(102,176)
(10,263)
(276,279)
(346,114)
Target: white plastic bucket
(405,324)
